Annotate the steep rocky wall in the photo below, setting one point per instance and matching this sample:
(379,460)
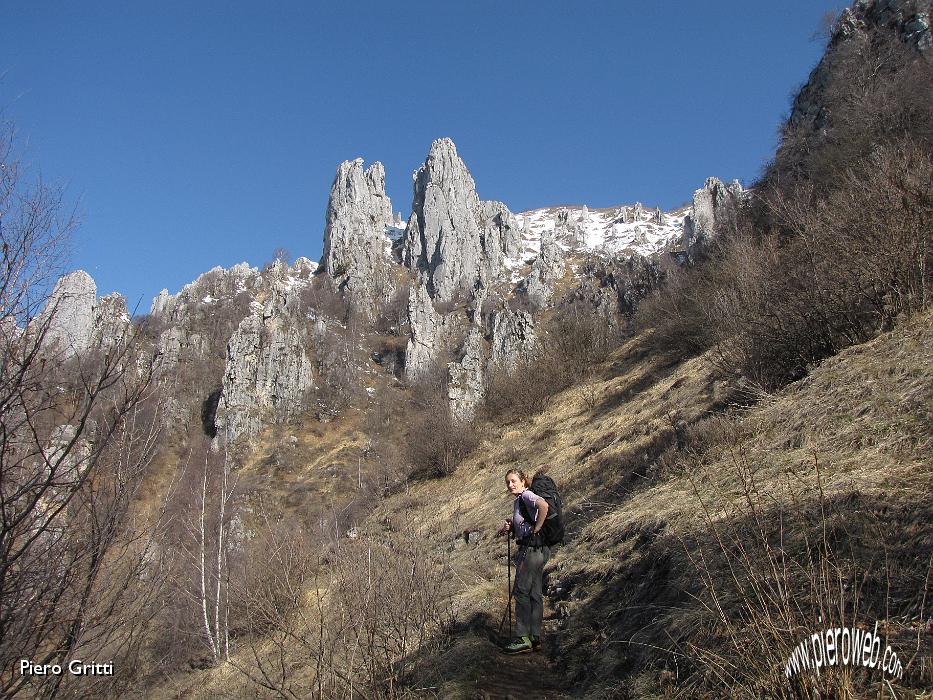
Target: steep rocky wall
(78,320)
(909,20)
(714,205)
(355,242)
(269,371)
(451,236)
(429,335)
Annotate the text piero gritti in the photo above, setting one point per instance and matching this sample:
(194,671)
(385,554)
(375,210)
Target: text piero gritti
(75,668)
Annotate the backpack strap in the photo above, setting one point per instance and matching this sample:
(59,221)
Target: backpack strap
(524,509)
(533,540)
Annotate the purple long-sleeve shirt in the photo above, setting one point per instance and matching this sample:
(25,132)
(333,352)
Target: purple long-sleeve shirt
(520,526)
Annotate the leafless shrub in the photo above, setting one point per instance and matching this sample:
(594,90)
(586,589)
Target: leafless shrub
(324,298)
(843,267)
(205,534)
(573,342)
(877,91)
(775,568)
(438,441)
(340,359)
(392,316)
(78,434)
(351,624)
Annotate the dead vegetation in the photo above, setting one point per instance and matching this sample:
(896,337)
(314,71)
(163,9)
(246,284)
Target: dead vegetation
(704,542)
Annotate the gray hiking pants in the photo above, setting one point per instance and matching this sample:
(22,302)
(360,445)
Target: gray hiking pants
(529,582)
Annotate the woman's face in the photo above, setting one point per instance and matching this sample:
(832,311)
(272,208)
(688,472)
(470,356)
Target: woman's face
(514,484)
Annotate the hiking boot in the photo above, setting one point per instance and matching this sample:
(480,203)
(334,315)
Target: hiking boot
(536,643)
(521,645)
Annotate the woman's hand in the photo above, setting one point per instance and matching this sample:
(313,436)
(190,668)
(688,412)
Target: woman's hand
(506,526)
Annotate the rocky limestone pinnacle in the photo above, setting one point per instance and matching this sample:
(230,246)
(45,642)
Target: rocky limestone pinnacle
(111,321)
(466,378)
(358,213)
(70,312)
(429,331)
(78,320)
(513,340)
(451,235)
(547,268)
(268,372)
(713,204)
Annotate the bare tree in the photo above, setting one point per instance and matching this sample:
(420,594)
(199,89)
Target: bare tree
(76,435)
(212,535)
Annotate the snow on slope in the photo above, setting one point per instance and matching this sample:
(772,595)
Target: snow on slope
(616,230)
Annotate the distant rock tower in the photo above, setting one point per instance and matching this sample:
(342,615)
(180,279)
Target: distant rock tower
(358,213)
(452,235)
(77,320)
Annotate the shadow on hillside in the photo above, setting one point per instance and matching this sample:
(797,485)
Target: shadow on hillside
(473,667)
(641,375)
(651,624)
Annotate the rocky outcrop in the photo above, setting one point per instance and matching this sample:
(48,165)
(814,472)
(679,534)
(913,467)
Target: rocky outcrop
(547,268)
(216,286)
(281,287)
(200,321)
(268,373)
(571,226)
(513,340)
(714,206)
(466,378)
(614,286)
(78,320)
(500,238)
(356,248)
(907,20)
(69,313)
(429,335)
(451,235)
(111,321)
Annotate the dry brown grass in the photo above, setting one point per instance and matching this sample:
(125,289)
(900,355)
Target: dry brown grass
(865,414)
(648,473)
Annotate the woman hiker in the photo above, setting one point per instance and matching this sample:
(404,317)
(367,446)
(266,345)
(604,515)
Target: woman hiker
(528,514)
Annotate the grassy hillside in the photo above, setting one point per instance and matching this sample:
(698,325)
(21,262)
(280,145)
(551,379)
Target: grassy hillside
(706,538)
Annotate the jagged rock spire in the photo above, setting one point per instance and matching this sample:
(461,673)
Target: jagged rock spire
(78,320)
(354,235)
(451,234)
(712,204)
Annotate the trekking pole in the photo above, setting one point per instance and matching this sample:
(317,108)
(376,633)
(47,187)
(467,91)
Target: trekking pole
(509,602)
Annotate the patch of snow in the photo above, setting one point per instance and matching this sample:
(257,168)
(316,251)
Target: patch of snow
(624,229)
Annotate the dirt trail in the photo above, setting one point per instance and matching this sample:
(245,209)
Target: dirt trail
(520,677)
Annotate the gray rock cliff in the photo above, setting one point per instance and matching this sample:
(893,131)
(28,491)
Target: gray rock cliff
(451,235)
(78,320)
(355,241)
(429,335)
(466,378)
(714,205)
(513,340)
(547,268)
(70,313)
(268,373)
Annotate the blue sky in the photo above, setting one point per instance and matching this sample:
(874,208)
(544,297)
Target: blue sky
(195,134)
